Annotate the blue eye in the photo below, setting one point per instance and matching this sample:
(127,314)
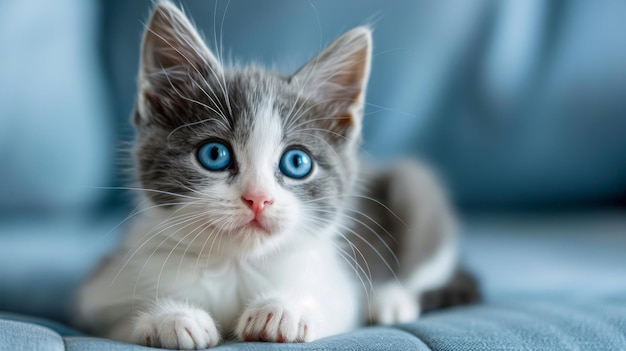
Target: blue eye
(296,164)
(214,156)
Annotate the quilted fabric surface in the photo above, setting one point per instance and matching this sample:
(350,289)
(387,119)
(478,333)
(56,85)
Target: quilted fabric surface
(508,325)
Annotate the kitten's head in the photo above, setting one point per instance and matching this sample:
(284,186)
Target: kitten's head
(245,156)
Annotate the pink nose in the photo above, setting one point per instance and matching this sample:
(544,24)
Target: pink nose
(257,202)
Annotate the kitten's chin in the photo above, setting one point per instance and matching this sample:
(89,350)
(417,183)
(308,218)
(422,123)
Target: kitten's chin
(256,233)
(257,225)
(254,228)
(253,225)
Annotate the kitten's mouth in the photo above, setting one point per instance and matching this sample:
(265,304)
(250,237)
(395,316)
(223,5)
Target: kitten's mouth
(257,225)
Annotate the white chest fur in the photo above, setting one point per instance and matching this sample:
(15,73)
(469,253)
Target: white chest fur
(225,288)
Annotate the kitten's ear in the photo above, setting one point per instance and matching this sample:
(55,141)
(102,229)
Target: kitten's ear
(170,41)
(339,76)
(171,52)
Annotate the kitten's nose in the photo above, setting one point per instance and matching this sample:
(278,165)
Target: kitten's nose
(257,202)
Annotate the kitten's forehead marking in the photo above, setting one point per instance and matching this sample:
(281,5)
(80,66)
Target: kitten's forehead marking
(263,146)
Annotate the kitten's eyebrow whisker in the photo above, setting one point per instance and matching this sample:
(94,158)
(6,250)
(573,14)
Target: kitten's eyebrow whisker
(292,119)
(325,131)
(310,121)
(220,113)
(298,114)
(180,95)
(191,124)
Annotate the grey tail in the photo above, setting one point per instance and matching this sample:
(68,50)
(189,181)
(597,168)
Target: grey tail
(463,289)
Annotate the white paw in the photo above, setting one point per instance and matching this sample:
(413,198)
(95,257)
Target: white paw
(392,303)
(184,329)
(274,321)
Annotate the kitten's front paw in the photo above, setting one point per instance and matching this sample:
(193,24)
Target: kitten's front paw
(275,321)
(183,329)
(391,304)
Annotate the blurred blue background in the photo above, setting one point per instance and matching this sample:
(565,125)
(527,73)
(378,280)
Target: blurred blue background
(519,105)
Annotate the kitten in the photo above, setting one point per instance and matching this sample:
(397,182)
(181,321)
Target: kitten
(258,223)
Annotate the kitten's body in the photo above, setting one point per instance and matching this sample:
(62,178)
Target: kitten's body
(250,250)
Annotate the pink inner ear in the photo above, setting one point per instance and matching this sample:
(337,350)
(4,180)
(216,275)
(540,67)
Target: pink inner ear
(344,121)
(352,75)
(340,72)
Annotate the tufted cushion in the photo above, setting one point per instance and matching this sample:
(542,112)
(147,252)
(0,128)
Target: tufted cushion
(365,339)
(28,336)
(550,324)
(528,325)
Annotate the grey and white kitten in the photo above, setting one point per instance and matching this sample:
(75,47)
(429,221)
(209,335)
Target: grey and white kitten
(257,222)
